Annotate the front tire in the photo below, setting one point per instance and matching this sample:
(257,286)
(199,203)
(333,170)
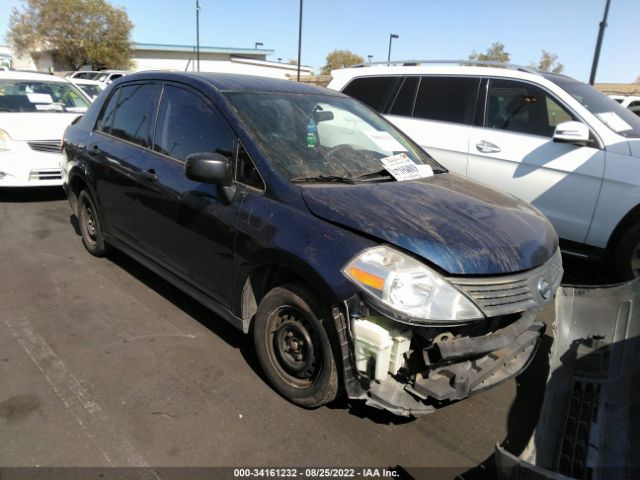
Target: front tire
(90,226)
(293,347)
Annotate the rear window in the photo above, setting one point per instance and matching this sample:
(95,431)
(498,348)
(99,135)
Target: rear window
(374,91)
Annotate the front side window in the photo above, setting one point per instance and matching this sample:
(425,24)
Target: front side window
(130,113)
(523,108)
(188,124)
(40,96)
(313,136)
(613,115)
(447,99)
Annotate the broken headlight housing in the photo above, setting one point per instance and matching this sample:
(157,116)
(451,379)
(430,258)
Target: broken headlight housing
(408,290)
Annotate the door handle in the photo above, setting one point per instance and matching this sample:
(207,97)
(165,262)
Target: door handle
(487,147)
(149,175)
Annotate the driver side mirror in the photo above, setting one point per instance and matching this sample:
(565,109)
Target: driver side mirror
(576,133)
(213,168)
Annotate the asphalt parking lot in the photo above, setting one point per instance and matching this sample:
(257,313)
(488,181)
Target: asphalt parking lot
(102,363)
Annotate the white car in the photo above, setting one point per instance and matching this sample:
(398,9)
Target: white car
(35,109)
(549,139)
(632,102)
(92,88)
(108,76)
(83,75)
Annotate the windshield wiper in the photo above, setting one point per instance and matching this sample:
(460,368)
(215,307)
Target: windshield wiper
(375,176)
(324,179)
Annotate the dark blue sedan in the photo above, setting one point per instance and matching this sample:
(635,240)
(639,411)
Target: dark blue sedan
(359,265)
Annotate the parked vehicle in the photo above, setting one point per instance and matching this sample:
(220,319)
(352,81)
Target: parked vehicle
(357,263)
(632,102)
(91,88)
(108,76)
(83,75)
(551,140)
(34,111)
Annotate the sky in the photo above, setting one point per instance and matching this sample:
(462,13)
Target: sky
(427,29)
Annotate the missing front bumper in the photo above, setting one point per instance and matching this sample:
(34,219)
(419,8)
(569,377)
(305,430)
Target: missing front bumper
(466,366)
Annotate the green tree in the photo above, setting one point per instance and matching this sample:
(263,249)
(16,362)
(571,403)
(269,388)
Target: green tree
(76,32)
(548,63)
(340,59)
(495,53)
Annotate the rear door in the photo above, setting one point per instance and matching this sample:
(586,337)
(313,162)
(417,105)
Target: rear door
(116,155)
(438,113)
(514,151)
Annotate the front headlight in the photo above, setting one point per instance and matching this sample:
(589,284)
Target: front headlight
(415,293)
(5,141)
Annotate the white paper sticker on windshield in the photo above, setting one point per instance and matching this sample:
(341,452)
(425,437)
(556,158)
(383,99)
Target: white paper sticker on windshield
(402,168)
(614,122)
(39,98)
(386,142)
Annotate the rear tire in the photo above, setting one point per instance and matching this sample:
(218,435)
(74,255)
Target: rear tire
(90,226)
(627,255)
(293,347)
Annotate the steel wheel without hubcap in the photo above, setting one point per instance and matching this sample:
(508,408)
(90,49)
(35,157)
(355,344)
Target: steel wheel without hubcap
(90,228)
(88,223)
(293,347)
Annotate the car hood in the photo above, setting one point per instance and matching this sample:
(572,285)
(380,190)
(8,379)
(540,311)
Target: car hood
(36,125)
(458,225)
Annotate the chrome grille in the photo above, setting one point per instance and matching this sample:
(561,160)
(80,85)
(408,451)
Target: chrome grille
(513,293)
(46,145)
(46,174)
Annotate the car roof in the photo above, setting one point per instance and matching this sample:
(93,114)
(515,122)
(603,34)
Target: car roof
(18,75)
(230,82)
(494,69)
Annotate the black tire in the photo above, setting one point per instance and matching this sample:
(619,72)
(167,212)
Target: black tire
(627,255)
(90,226)
(293,347)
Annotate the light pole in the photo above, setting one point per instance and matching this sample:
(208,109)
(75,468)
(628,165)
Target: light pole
(258,44)
(391,37)
(299,39)
(369,57)
(596,55)
(198,34)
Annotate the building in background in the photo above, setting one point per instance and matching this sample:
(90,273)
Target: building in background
(151,56)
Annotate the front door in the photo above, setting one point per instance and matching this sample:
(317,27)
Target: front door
(187,228)
(514,151)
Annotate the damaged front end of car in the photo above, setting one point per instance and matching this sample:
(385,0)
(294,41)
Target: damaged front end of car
(414,340)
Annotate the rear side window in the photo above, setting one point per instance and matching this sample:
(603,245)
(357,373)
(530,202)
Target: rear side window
(187,123)
(524,108)
(130,112)
(403,103)
(374,91)
(447,99)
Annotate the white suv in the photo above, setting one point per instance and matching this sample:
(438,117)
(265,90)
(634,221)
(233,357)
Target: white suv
(549,139)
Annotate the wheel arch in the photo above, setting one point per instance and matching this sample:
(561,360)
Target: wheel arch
(631,218)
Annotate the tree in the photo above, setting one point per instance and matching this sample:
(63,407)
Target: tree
(495,53)
(293,61)
(637,79)
(340,59)
(548,63)
(76,32)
